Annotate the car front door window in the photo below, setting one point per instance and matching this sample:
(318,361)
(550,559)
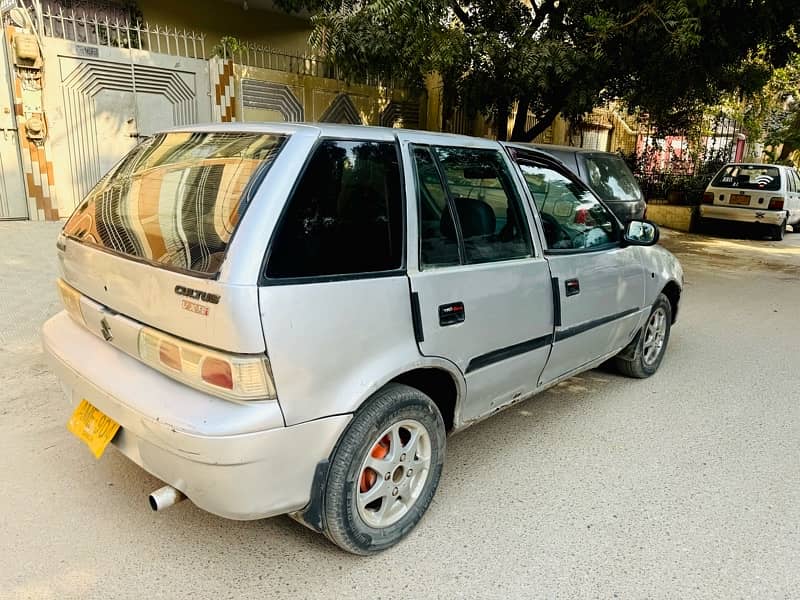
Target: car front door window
(572,218)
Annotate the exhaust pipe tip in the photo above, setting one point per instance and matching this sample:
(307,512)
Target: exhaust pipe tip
(164,497)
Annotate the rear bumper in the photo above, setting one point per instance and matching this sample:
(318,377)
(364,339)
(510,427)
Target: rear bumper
(742,215)
(234,460)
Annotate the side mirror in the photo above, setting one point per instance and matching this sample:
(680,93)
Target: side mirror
(641,233)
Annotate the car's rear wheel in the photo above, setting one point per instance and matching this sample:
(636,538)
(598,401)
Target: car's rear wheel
(384,471)
(644,354)
(777,232)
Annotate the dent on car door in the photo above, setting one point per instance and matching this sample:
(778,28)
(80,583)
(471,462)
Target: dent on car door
(598,283)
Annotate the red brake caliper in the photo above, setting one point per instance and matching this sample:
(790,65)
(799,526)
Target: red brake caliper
(368,476)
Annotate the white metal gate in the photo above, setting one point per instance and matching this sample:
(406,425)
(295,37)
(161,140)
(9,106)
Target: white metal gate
(13,201)
(100,99)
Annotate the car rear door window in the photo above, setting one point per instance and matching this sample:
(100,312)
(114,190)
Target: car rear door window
(475,185)
(345,216)
(572,218)
(436,247)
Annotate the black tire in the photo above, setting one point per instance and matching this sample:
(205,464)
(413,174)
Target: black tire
(777,232)
(344,525)
(796,227)
(631,361)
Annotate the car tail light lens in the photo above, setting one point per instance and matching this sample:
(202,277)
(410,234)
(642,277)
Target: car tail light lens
(71,299)
(230,376)
(776,204)
(708,198)
(169,355)
(217,372)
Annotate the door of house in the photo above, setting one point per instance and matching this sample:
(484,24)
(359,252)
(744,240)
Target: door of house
(100,101)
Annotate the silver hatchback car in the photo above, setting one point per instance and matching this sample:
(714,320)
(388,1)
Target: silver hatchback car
(282,318)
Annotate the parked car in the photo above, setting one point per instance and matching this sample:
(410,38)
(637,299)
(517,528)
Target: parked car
(768,196)
(282,318)
(607,175)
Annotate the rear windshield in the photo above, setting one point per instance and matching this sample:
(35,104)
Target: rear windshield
(751,177)
(611,179)
(176,199)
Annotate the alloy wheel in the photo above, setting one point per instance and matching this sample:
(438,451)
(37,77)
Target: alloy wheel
(393,474)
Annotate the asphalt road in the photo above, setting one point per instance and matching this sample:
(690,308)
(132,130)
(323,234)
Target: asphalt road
(685,485)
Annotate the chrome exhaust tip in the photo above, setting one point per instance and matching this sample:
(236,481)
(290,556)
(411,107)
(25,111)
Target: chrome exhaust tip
(164,497)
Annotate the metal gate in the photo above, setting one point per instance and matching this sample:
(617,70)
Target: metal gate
(13,201)
(108,85)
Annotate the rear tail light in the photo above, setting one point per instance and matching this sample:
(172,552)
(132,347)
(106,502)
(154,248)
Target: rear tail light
(231,376)
(580,216)
(708,198)
(71,299)
(776,203)
(217,372)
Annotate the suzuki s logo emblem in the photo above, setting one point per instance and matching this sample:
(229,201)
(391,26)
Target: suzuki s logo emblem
(105,329)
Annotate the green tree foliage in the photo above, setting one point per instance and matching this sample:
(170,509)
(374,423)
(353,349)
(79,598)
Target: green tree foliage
(781,97)
(771,114)
(665,57)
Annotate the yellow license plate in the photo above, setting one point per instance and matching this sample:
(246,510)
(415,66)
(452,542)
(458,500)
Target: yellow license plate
(740,199)
(92,427)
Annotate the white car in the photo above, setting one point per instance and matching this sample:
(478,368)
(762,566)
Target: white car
(766,195)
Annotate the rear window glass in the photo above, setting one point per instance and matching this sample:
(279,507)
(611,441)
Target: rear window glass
(751,177)
(175,199)
(611,179)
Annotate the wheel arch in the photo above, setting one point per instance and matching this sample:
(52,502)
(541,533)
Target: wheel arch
(436,377)
(673,293)
(440,385)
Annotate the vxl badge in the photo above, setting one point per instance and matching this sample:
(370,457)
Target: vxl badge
(105,329)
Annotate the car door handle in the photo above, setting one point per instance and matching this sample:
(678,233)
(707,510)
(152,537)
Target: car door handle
(572,287)
(450,314)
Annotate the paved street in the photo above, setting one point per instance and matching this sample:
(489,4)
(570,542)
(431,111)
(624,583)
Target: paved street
(685,485)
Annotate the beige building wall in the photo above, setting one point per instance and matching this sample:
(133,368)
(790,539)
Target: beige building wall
(216,19)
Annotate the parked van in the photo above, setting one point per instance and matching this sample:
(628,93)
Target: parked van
(768,196)
(283,318)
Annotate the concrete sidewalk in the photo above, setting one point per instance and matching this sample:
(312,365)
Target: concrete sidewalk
(28,272)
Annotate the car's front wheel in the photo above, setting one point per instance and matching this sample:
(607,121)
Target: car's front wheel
(644,354)
(384,471)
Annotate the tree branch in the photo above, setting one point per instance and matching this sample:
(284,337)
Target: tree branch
(540,126)
(460,13)
(520,118)
(540,12)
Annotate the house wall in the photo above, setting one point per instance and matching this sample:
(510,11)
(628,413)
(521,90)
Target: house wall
(216,19)
(259,94)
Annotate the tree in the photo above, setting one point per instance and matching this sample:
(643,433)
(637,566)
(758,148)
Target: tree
(781,96)
(664,57)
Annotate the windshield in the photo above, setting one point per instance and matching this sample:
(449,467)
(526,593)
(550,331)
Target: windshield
(611,179)
(175,199)
(751,177)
